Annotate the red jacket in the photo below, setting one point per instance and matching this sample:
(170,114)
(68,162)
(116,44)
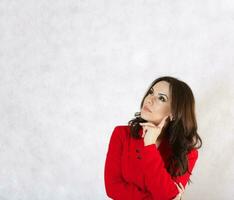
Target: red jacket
(136,172)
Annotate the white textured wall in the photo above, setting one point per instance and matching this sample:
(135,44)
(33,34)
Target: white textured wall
(71,70)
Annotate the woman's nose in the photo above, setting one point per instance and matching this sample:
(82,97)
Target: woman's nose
(150,100)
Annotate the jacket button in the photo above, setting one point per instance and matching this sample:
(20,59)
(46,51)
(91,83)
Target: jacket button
(137,150)
(138,157)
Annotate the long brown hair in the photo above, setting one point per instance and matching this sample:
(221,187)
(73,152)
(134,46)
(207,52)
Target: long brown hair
(182,130)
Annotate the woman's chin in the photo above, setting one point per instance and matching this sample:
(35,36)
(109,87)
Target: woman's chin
(146,118)
(143,116)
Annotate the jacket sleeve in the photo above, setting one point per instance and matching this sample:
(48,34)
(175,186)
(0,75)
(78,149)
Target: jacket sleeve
(116,187)
(158,181)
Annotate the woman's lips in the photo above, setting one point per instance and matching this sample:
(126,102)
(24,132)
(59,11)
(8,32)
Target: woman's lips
(146,109)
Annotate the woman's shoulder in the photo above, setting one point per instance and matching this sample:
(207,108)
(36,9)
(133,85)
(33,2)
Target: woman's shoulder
(122,127)
(121,131)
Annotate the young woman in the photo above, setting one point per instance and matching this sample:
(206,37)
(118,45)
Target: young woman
(153,156)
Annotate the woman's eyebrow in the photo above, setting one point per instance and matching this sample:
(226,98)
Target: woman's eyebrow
(163,95)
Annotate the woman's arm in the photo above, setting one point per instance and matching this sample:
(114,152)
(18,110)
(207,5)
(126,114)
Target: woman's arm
(157,179)
(116,187)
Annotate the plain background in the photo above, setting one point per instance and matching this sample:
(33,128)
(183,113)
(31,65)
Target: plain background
(72,70)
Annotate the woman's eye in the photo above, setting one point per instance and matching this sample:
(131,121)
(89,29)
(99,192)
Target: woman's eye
(162,98)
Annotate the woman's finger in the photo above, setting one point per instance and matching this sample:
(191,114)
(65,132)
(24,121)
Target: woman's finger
(178,197)
(182,187)
(178,187)
(162,123)
(144,132)
(147,124)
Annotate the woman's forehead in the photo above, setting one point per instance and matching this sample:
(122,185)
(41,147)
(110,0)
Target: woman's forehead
(162,86)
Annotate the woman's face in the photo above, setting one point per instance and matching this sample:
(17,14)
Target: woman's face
(158,101)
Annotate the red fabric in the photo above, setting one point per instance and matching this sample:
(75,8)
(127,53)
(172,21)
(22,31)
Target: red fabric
(136,172)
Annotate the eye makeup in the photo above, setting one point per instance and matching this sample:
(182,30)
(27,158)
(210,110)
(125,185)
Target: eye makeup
(151,91)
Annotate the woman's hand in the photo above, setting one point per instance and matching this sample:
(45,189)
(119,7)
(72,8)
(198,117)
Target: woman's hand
(180,187)
(151,131)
